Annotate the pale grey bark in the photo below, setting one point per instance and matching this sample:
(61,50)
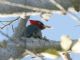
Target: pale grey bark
(20,30)
(15,6)
(14,46)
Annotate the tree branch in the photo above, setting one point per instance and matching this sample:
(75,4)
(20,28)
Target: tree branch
(65,55)
(10,22)
(20,29)
(6,35)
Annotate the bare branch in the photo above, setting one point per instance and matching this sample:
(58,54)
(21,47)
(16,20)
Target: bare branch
(65,55)
(26,6)
(10,22)
(5,35)
(12,28)
(5,21)
(75,17)
(58,5)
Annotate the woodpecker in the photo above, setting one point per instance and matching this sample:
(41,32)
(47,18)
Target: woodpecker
(34,29)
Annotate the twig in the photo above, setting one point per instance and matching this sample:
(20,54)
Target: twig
(10,22)
(65,55)
(58,5)
(6,35)
(12,28)
(65,11)
(5,21)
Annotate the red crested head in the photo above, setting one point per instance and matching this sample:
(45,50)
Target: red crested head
(37,23)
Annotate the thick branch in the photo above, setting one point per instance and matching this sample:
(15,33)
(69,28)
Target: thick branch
(14,6)
(39,45)
(20,30)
